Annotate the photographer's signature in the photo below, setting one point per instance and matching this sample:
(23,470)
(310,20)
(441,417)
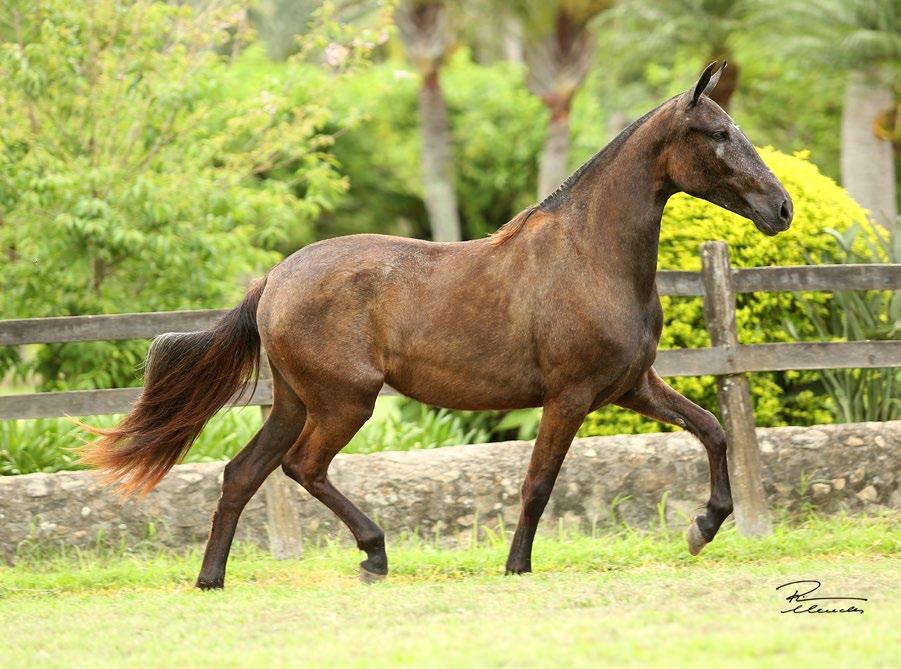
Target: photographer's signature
(801,599)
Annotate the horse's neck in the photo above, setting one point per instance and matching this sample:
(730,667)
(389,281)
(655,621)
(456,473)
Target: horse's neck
(617,214)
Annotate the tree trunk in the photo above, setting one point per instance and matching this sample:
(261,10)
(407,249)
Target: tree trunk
(512,39)
(868,166)
(722,93)
(437,162)
(553,165)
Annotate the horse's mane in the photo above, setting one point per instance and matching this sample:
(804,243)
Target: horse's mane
(511,227)
(602,158)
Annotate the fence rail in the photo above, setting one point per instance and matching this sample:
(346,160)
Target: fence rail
(715,360)
(113,327)
(728,360)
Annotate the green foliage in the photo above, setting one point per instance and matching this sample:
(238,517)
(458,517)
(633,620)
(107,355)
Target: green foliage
(851,34)
(278,22)
(858,394)
(410,425)
(47,445)
(709,26)
(497,128)
(820,205)
(130,178)
(783,103)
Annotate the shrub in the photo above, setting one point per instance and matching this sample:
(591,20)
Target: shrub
(132,180)
(47,445)
(403,425)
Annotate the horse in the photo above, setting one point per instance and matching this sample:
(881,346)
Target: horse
(557,309)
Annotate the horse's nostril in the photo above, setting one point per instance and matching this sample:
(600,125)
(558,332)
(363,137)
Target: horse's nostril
(784,211)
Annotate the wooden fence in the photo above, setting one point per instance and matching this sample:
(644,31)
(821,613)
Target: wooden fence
(728,360)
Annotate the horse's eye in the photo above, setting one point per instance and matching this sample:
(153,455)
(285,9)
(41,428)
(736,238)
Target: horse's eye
(720,135)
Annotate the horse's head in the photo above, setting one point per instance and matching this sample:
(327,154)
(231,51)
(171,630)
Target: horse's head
(710,158)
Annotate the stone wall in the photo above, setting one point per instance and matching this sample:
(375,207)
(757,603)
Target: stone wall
(449,491)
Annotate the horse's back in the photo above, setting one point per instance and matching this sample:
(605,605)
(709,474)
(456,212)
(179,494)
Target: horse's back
(416,314)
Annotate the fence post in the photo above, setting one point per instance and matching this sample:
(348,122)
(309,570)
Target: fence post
(752,517)
(282,520)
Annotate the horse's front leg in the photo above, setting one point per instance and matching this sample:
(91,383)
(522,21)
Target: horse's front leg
(559,423)
(655,399)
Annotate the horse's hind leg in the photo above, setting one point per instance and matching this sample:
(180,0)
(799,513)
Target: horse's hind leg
(655,399)
(326,432)
(245,474)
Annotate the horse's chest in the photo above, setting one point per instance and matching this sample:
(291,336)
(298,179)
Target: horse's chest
(606,341)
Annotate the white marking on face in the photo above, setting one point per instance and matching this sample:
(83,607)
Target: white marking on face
(720,149)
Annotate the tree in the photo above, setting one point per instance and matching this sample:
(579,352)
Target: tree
(558,51)
(131,179)
(425,29)
(863,38)
(706,27)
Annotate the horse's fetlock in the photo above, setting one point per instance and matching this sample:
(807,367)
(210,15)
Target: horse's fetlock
(373,543)
(720,507)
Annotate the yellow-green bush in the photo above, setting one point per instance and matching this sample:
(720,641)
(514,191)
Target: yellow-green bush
(820,204)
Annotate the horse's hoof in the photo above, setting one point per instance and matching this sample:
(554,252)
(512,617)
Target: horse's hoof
(367,576)
(696,540)
(203,584)
(517,570)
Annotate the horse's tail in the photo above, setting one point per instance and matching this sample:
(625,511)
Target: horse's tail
(188,376)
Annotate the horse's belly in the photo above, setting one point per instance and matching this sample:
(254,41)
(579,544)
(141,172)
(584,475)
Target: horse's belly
(476,382)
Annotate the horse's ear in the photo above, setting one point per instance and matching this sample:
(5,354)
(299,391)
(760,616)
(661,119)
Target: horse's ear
(704,83)
(714,80)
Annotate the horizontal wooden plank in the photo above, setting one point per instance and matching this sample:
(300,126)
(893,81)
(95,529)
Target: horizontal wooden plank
(104,402)
(692,361)
(818,277)
(681,362)
(96,402)
(778,357)
(818,355)
(677,282)
(114,327)
(105,327)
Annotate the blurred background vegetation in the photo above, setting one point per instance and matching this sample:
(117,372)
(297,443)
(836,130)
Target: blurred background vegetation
(158,155)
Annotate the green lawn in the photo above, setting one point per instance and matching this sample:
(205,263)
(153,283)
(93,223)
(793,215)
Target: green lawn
(622,598)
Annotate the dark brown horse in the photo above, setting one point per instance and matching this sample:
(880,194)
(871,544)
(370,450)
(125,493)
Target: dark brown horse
(558,309)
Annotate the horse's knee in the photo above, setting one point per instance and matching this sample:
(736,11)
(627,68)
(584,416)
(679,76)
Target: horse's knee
(720,507)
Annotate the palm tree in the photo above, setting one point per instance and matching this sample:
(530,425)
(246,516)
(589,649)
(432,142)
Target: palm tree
(706,27)
(863,38)
(425,29)
(558,51)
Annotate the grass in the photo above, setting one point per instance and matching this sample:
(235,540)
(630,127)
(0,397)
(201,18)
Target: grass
(624,598)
